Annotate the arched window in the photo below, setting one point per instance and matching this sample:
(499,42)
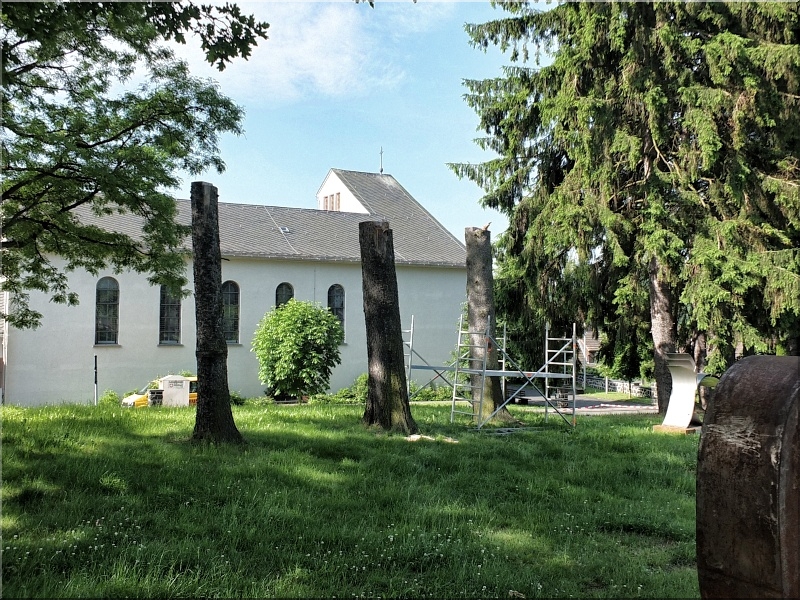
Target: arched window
(106,321)
(336,301)
(230,312)
(283,294)
(169,323)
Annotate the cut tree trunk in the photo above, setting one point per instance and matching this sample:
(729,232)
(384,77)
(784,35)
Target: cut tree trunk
(387,396)
(748,483)
(663,330)
(700,353)
(214,419)
(792,343)
(480,315)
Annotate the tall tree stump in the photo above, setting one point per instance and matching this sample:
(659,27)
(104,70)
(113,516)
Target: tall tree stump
(387,396)
(480,315)
(214,419)
(748,482)
(663,330)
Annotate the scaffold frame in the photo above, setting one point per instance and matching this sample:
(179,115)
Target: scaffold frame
(567,349)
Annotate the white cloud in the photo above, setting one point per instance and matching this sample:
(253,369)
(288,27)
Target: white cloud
(319,49)
(408,18)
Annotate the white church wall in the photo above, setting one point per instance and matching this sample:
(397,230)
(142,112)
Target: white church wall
(55,363)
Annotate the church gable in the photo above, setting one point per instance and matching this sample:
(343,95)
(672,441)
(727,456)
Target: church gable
(334,195)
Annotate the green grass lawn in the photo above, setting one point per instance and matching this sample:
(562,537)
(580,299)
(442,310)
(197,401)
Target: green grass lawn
(616,396)
(105,502)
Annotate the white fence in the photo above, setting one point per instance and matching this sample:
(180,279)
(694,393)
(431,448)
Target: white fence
(634,388)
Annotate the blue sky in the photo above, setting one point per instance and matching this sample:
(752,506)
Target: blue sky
(337,81)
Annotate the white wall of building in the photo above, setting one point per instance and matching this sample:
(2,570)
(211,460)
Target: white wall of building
(335,195)
(55,363)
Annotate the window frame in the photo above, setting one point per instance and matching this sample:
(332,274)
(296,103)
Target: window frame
(336,291)
(230,322)
(110,308)
(168,301)
(283,286)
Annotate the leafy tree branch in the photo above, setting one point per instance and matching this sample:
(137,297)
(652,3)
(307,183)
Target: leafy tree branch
(74,149)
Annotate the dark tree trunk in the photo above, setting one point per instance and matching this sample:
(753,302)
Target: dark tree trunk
(791,336)
(387,396)
(214,420)
(480,314)
(699,352)
(663,329)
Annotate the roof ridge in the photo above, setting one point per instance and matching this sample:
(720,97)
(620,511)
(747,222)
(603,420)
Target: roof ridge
(274,207)
(362,172)
(255,230)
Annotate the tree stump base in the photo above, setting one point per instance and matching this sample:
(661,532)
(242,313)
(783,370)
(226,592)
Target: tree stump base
(748,482)
(675,430)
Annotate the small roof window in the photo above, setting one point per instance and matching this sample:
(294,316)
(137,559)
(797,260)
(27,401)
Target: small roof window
(284,229)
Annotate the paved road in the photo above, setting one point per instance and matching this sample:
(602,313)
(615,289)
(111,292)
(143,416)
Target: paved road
(586,404)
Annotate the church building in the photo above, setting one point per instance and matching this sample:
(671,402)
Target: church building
(135,332)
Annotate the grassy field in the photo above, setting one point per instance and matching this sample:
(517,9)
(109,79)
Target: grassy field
(614,396)
(105,502)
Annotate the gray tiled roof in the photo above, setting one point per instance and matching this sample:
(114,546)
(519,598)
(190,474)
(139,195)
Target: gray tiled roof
(309,234)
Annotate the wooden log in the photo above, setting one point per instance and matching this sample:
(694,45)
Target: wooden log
(748,483)
(387,396)
(214,419)
(480,316)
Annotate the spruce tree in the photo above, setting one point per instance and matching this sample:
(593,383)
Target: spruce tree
(659,153)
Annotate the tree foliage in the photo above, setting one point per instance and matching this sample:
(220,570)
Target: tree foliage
(656,157)
(81,139)
(297,345)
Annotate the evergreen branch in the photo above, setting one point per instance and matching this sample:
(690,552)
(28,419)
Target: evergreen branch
(784,181)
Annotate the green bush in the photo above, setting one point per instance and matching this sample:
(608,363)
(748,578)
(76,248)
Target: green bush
(430,393)
(237,399)
(297,346)
(109,398)
(355,394)
(361,388)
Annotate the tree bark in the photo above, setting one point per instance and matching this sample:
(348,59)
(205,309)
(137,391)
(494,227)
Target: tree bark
(663,329)
(387,396)
(480,314)
(214,419)
(700,353)
(748,483)
(793,345)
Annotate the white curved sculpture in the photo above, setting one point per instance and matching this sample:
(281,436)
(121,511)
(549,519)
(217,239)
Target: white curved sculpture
(684,387)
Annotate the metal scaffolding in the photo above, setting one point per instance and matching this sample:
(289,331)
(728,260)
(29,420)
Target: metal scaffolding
(560,354)
(409,354)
